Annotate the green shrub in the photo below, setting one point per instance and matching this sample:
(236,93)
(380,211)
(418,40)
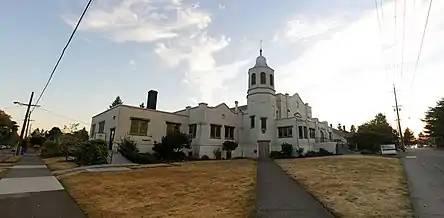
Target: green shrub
(128,149)
(51,149)
(205,157)
(300,151)
(311,154)
(323,152)
(217,153)
(276,154)
(172,146)
(287,149)
(92,152)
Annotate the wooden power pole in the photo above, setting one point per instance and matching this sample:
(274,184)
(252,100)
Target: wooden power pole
(25,122)
(398,120)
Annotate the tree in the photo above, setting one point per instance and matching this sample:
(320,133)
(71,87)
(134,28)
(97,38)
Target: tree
(37,137)
(229,146)
(172,146)
(352,129)
(374,133)
(142,105)
(339,126)
(422,139)
(8,129)
(54,134)
(408,137)
(434,119)
(116,102)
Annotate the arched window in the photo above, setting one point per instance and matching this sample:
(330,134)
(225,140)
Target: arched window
(253,79)
(263,79)
(271,80)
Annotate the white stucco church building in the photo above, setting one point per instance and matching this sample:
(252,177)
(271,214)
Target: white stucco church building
(268,120)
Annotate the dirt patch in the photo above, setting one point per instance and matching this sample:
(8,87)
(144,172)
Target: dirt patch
(195,189)
(354,186)
(59,163)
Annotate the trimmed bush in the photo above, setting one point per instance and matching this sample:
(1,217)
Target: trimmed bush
(205,157)
(276,154)
(51,149)
(128,149)
(217,153)
(323,152)
(287,149)
(92,152)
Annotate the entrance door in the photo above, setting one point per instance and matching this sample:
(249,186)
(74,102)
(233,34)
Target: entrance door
(264,149)
(112,132)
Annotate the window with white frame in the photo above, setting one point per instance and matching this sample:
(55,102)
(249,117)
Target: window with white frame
(139,127)
(285,132)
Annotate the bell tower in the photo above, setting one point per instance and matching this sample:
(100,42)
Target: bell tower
(261,101)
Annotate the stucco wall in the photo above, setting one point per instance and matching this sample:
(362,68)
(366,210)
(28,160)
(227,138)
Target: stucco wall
(156,126)
(110,117)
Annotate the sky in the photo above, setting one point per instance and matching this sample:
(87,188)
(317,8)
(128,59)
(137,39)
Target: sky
(334,53)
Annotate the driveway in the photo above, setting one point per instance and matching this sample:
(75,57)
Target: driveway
(425,175)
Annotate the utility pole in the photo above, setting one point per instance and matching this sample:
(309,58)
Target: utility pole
(398,120)
(27,126)
(20,144)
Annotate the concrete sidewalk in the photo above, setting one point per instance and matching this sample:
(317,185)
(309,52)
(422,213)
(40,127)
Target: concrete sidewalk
(30,190)
(279,196)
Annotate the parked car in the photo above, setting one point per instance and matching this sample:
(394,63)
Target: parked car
(388,149)
(3,147)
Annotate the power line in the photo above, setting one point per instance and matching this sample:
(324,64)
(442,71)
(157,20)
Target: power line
(63,116)
(422,42)
(380,19)
(10,107)
(403,37)
(63,52)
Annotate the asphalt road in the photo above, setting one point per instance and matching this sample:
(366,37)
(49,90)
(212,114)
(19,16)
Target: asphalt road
(425,175)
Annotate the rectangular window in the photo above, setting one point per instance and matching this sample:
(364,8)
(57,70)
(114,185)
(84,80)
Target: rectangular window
(301,132)
(252,121)
(93,130)
(102,127)
(192,130)
(172,127)
(285,132)
(305,133)
(139,127)
(312,133)
(215,131)
(263,123)
(229,132)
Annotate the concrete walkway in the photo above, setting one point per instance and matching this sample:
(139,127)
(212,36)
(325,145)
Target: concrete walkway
(30,190)
(279,196)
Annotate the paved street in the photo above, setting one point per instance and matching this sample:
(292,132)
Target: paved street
(425,175)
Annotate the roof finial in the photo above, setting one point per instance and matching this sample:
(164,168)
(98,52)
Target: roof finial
(260,51)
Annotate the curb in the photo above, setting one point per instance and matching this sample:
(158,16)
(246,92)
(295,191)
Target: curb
(409,191)
(61,172)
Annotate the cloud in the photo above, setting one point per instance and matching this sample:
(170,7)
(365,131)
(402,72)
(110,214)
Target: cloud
(132,62)
(202,71)
(222,6)
(304,27)
(142,20)
(348,70)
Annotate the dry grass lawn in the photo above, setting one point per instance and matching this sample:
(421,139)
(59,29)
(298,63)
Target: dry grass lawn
(11,159)
(3,172)
(195,189)
(59,163)
(354,186)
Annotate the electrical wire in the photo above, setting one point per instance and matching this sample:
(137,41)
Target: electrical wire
(422,42)
(380,33)
(63,116)
(403,37)
(62,54)
(10,107)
